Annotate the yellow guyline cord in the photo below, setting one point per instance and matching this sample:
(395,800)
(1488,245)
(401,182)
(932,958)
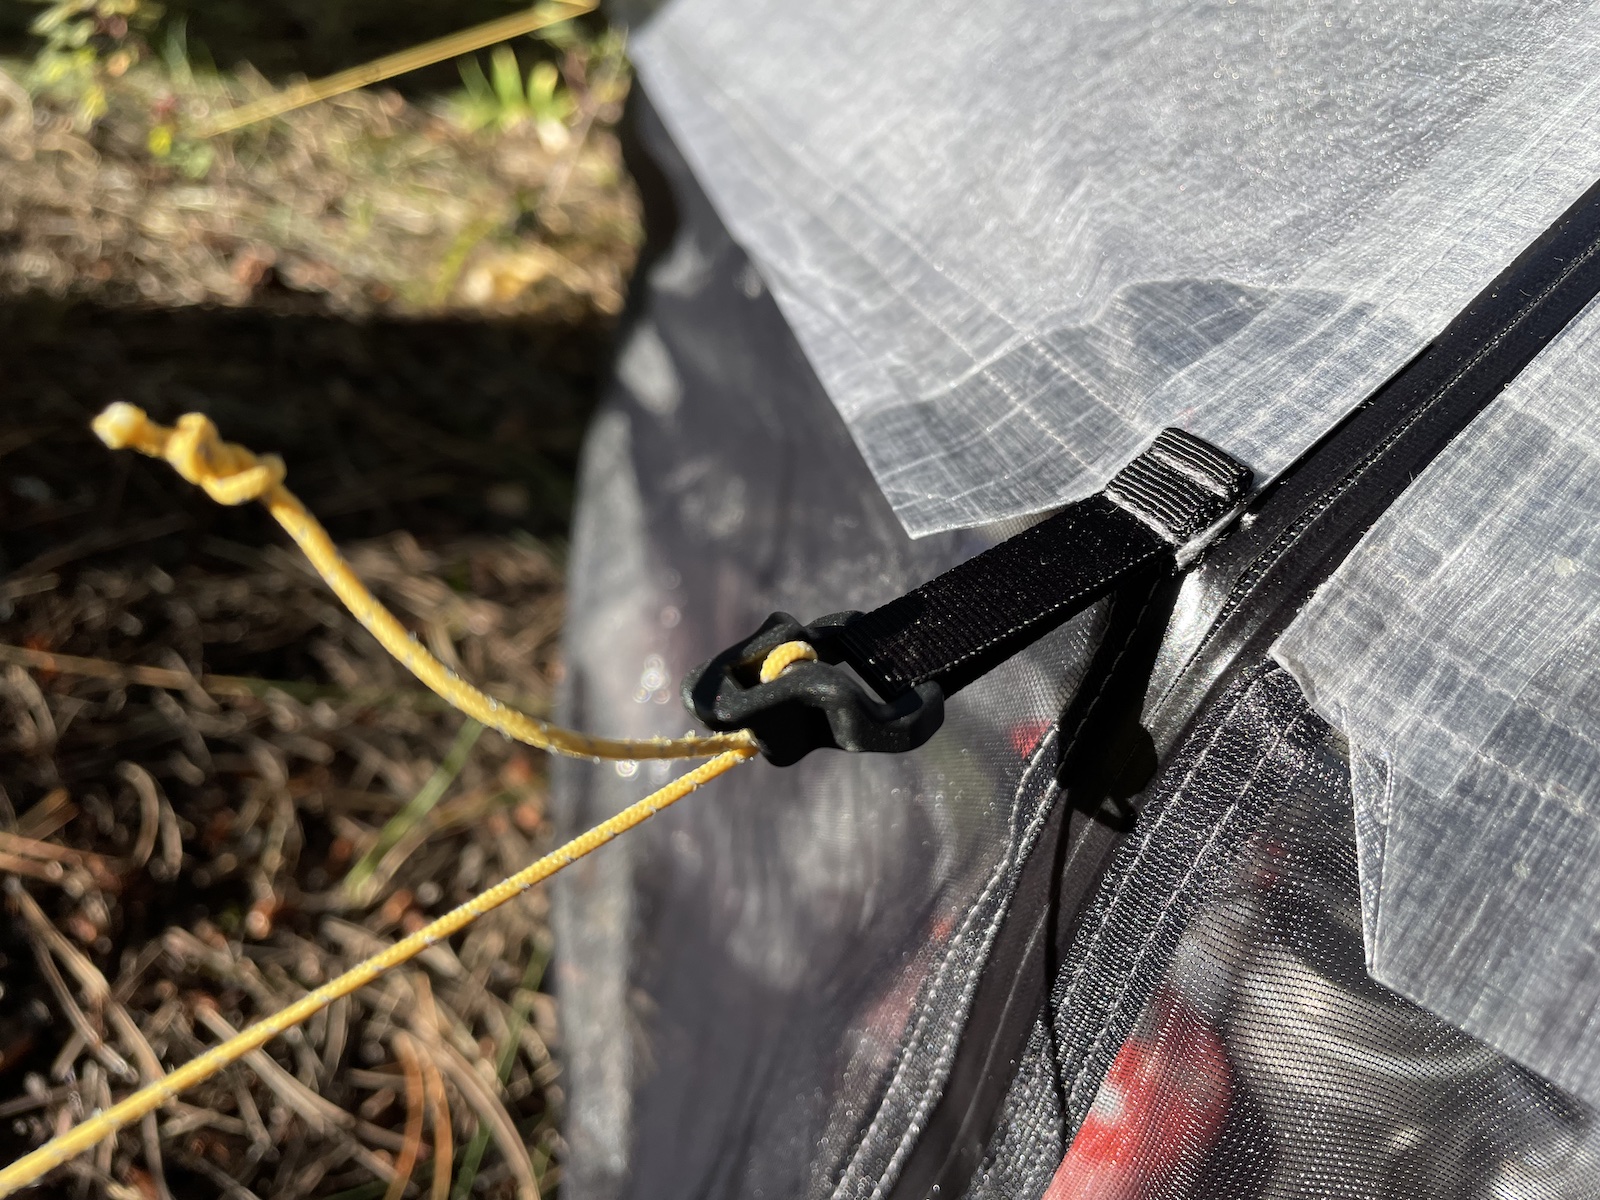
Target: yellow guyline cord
(231,474)
(30,1167)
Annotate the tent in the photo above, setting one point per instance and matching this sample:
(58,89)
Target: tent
(1271,870)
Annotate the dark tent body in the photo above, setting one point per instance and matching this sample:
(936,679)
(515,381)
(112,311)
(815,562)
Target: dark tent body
(1272,871)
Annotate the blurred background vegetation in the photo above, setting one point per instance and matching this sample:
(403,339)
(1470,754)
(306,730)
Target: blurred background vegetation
(476,184)
(215,790)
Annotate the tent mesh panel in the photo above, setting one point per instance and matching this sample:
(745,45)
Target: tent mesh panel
(1215,1031)
(763,990)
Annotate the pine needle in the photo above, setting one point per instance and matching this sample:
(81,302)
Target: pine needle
(451,46)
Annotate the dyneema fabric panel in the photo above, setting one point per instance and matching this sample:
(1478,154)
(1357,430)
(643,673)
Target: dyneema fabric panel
(1215,1033)
(1016,239)
(762,989)
(1459,649)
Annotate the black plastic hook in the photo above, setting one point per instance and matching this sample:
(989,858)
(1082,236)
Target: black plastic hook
(812,704)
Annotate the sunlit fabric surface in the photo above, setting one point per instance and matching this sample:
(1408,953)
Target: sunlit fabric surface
(762,991)
(1214,1033)
(1459,648)
(1016,239)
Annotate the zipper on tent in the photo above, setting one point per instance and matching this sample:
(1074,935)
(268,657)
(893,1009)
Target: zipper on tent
(1227,613)
(1301,528)
(1157,516)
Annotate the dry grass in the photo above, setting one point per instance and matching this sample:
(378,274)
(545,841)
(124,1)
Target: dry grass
(187,846)
(366,203)
(414,316)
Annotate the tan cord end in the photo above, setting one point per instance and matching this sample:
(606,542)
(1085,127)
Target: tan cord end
(229,473)
(785,656)
(122,425)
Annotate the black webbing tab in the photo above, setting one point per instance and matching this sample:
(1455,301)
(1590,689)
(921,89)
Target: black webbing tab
(935,640)
(961,625)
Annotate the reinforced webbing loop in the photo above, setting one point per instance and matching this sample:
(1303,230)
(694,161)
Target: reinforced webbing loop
(1183,488)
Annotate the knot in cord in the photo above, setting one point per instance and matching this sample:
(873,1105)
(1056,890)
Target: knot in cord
(229,473)
(232,475)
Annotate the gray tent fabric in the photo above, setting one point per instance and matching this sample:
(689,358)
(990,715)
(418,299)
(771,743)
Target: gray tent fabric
(1459,649)
(1015,240)
(919,270)
(762,989)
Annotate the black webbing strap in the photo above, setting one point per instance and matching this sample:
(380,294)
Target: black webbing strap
(935,640)
(961,625)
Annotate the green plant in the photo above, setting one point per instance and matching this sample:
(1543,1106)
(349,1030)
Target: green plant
(189,68)
(502,100)
(591,80)
(85,43)
(186,63)
(191,156)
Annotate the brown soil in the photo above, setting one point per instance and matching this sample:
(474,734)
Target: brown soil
(197,744)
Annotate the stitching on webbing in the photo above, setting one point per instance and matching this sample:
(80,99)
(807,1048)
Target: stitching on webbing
(1134,565)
